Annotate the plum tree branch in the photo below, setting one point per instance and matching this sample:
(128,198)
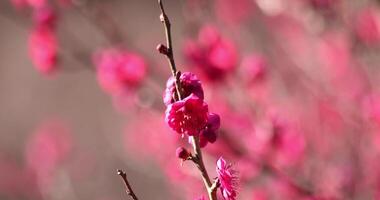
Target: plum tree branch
(168,52)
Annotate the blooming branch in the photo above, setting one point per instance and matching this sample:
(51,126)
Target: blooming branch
(195,138)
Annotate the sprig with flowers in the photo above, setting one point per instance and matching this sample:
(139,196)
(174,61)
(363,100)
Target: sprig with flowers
(187,114)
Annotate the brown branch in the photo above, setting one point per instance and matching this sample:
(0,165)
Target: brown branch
(168,49)
(168,52)
(127,185)
(198,160)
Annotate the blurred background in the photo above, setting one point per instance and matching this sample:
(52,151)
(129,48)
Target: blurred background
(30,100)
(294,81)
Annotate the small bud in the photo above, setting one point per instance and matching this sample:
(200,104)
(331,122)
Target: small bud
(162,18)
(162,49)
(182,153)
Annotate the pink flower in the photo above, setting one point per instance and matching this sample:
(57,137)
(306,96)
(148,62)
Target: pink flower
(210,132)
(190,84)
(214,55)
(43,49)
(118,70)
(188,116)
(227,178)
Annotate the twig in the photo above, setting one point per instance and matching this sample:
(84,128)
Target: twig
(198,160)
(168,49)
(127,185)
(168,52)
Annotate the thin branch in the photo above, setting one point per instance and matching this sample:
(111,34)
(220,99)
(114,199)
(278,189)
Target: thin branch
(168,49)
(127,185)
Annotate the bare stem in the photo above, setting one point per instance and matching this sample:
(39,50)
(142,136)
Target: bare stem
(198,160)
(127,185)
(168,52)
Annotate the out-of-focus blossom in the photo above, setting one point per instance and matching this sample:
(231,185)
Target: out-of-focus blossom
(47,149)
(119,70)
(37,3)
(254,68)
(43,49)
(190,84)
(210,132)
(226,10)
(367,26)
(288,143)
(212,54)
(45,16)
(227,178)
(188,116)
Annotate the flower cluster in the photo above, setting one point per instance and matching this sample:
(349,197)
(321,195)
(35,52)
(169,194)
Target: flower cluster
(190,115)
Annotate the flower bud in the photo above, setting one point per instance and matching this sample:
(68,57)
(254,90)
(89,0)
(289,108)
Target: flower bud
(182,153)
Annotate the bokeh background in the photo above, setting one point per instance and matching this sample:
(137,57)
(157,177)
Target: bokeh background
(28,99)
(297,93)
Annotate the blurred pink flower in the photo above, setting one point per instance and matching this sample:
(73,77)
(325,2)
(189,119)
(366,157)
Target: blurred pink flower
(36,3)
(119,70)
(367,25)
(45,16)
(214,55)
(47,149)
(43,49)
(188,116)
(226,10)
(190,84)
(227,178)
